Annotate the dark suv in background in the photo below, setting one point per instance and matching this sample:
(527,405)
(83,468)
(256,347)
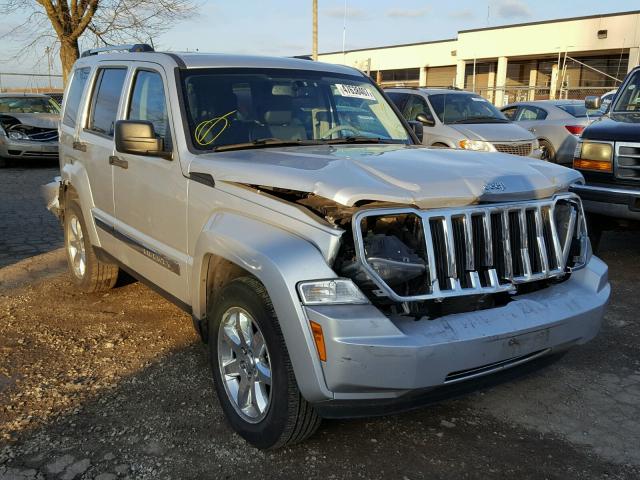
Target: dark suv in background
(608,155)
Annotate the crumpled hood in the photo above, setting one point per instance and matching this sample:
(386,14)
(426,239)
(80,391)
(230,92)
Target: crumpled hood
(424,177)
(40,120)
(493,132)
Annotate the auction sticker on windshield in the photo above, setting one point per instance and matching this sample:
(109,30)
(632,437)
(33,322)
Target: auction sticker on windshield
(355,91)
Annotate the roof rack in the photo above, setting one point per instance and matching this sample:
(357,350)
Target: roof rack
(133,48)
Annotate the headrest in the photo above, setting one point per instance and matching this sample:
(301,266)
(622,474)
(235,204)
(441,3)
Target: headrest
(277,117)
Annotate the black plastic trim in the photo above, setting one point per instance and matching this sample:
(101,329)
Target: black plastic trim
(107,257)
(203,178)
(150,253)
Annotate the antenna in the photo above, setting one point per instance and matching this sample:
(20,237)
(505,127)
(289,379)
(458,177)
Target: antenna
(488,15)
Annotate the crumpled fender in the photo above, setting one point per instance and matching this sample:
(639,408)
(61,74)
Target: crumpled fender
(75,175)
(279,259)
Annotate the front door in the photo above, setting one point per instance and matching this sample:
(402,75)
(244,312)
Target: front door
(151,192)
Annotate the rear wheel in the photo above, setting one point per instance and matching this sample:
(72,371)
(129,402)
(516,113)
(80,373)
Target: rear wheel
(252,371)
(87,272)
(548,152)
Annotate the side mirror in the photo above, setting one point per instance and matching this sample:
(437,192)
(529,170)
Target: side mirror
(417,129)
(592,102)
(139,138)
(424,120)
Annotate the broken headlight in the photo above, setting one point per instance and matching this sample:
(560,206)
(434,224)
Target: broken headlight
(17,135)
(394,261)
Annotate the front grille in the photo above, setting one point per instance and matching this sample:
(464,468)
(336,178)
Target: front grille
(484,249)
(628,161)
(523,149)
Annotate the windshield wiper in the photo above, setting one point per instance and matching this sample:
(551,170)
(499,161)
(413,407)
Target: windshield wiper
(265,143)
(360,139)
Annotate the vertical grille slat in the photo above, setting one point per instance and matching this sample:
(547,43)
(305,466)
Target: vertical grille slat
(490,248)
(542,244)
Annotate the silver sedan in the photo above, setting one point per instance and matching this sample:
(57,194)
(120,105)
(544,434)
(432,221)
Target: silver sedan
(556,123)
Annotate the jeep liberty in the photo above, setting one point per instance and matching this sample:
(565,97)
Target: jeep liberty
(333,266)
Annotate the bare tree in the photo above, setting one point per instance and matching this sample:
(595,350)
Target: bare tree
(98,22)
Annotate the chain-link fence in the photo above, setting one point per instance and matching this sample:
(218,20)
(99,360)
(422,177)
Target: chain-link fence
(30,82)
(527,94)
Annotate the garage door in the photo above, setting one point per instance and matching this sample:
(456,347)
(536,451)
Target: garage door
(441,76)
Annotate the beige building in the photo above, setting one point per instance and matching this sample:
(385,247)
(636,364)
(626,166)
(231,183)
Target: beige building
(564,58)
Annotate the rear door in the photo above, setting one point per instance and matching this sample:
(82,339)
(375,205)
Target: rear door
(531,118)
(95,139)
(150,191)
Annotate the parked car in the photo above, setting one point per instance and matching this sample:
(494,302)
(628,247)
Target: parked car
(556,123)
(28,127)
(333,267)
(608,155)
(463,120)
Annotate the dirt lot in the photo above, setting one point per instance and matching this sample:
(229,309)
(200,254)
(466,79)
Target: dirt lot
(116,386)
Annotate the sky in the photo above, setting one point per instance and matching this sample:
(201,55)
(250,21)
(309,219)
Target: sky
(283,27)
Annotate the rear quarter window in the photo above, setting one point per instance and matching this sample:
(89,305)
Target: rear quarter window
(72,104)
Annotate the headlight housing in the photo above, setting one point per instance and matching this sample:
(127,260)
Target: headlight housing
(335,291)
(476,145)
(597,156)
(17,135)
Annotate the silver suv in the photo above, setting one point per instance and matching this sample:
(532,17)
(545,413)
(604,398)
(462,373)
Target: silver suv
(333,267)
(459,119)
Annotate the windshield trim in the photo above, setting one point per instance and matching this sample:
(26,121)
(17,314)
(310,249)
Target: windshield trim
(181,73)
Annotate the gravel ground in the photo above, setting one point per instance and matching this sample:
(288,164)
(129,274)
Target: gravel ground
(26,227)
(116,386)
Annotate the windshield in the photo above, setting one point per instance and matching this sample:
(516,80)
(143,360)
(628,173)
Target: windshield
(28,105)
(465,108)
(578,110)
(628,99)
(269,106)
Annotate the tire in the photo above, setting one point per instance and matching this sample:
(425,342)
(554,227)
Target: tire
(548,152)
(440,145)
(87,272)
(3,162)
(275,413)
(596,225)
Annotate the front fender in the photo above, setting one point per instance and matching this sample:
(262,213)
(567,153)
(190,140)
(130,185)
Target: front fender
(279,259)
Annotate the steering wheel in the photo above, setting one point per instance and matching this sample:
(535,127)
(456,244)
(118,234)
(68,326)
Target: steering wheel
(339,128)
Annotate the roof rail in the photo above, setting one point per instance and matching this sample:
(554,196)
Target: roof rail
(133,48)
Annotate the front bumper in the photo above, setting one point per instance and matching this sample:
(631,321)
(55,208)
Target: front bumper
(24,149)
(610,201)
(371,357)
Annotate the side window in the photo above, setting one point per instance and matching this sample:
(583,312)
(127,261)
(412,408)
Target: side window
(415,106)
(531,113)
(72,105)
(106,97)
(148,103)
(510,113)
(399,99)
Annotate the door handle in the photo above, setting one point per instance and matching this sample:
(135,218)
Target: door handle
(118,162)
(81,146)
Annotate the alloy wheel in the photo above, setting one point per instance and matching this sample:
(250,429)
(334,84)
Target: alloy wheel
(245,365)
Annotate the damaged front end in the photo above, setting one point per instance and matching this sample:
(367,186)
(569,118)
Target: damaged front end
(25,136)
(430,263)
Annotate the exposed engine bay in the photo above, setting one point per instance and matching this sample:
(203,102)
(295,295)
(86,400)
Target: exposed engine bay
(19,130)
(394,245)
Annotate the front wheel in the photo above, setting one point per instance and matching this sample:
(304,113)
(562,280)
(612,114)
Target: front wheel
(87,271)
(252,371)
(548,152)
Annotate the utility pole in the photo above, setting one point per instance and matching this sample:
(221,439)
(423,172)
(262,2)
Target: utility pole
(314,53)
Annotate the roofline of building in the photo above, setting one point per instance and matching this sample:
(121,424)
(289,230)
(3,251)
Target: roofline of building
(498,27)
(391,46)
(557,20)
